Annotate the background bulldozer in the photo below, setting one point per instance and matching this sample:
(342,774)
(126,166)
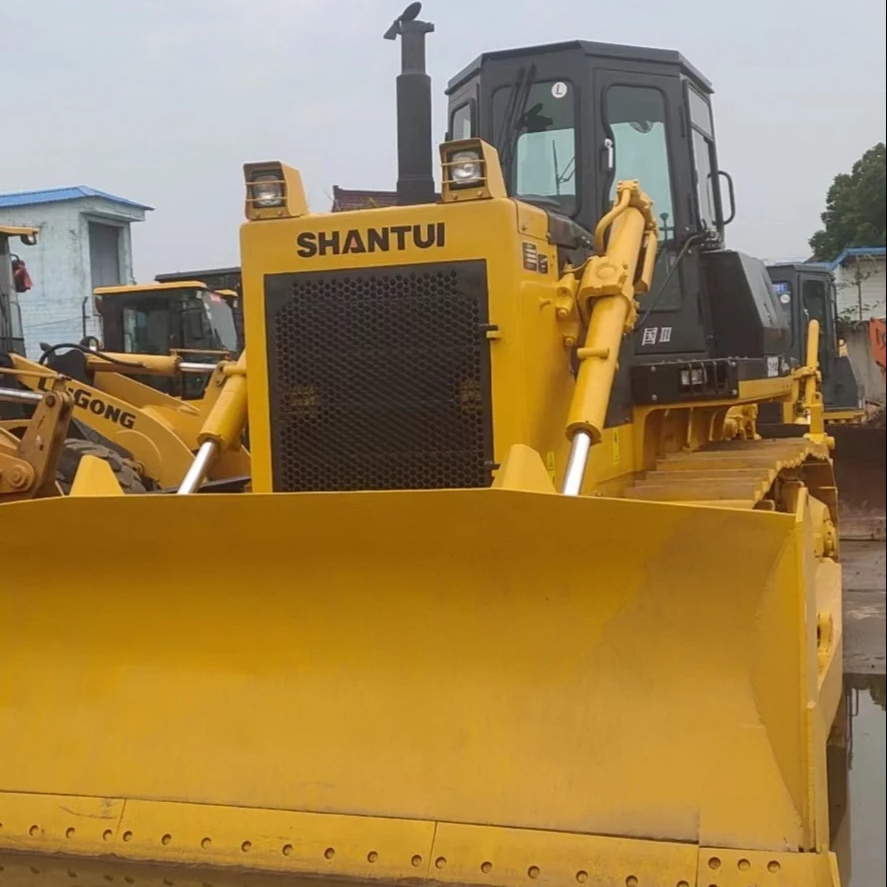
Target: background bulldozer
(854,414)
(517,596)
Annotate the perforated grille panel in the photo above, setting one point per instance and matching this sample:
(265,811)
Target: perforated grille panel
(380,378)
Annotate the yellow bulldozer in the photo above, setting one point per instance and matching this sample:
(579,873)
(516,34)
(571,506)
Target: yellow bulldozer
(518,596)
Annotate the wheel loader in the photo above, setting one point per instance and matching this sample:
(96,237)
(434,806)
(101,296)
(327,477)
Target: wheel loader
(518,595)
(148,438)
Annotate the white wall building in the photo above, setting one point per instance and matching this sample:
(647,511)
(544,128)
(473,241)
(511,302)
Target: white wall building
(84,242)
(860,282)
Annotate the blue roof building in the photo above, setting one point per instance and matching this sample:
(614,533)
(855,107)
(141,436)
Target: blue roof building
(84,241)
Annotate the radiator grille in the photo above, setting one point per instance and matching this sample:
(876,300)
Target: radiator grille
(379,379)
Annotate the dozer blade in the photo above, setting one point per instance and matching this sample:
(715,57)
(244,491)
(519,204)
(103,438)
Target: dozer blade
(484,686)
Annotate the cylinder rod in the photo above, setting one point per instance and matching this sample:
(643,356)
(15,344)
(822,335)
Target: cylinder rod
(197,368)
(199,467)
(17,395)
(575,473)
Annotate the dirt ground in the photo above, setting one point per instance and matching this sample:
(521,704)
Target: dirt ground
(865,622)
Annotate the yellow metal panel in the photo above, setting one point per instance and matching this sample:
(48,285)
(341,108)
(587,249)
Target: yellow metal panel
(446,656)
(523,469)
(532,383)
(472,854)
(59,838)
(95,477)
(18,231)
(719,867)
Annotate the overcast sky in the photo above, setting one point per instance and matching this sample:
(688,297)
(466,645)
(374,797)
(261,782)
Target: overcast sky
(162,101)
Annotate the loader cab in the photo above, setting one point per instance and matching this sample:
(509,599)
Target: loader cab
(569,121)
(14,281)
(162,318)
(225,281)
(805,292)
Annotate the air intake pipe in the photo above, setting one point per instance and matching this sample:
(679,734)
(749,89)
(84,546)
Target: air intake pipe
(415,176)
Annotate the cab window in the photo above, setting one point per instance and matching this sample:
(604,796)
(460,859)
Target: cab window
(635,117)
(461,123)
(782,289)
(703,156)
(146,327)
(536,140)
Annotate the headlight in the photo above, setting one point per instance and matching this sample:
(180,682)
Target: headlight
(692,377)
(465,168)
(267,190)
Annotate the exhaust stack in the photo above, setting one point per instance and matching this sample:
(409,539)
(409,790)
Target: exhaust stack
(415,176)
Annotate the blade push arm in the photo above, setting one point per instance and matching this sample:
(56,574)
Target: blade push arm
(621,269)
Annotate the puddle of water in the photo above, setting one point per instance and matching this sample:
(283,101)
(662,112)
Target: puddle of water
(858,796)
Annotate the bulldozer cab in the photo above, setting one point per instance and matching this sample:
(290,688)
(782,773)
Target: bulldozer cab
(13,280)
(806,291)
(569,121)
(184,317)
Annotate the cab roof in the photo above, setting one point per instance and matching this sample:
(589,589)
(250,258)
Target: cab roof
(152,287)
(810,267)
(602,50)
(14,231)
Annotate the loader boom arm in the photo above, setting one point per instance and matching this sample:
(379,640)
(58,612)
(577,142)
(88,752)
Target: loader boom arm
(28,466)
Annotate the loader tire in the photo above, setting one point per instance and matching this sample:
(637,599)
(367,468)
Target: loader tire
(75,449)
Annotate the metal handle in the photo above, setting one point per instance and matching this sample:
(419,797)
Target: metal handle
(731,194)
(610,154)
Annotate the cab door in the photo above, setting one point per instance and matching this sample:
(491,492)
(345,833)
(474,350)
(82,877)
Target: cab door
(641,135)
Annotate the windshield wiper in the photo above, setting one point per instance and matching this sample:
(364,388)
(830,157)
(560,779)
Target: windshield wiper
(513,119)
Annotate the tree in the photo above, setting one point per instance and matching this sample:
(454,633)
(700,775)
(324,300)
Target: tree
(855,207)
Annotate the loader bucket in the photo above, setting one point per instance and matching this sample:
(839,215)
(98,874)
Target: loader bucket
(483,686)
(860,475)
